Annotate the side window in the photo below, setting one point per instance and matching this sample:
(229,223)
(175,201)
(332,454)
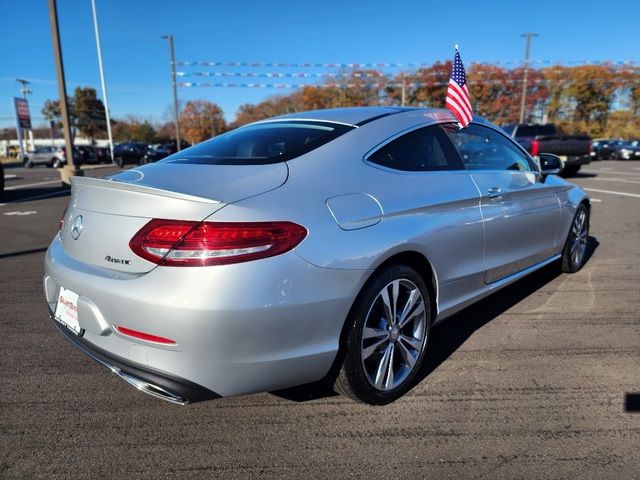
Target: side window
(482,148)
(422,150)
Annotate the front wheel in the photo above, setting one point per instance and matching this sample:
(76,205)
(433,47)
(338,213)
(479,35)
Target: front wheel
(119,161)
(389,329)
(574,254)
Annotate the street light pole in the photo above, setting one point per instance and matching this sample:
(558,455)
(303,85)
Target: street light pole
(528,35)
(104,87)
(70,168)
(172,60)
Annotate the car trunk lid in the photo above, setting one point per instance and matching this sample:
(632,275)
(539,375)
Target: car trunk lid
(105,213)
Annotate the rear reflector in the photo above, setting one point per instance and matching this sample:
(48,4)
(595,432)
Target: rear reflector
(144,336)
(189,244)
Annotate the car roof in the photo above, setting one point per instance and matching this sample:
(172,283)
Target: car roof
(358,116)
(348,115)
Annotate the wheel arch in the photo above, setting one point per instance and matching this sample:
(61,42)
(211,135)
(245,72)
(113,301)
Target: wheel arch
(410,258)
(422,265)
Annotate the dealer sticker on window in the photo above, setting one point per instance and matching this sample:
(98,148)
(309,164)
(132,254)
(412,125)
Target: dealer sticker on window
(67,310)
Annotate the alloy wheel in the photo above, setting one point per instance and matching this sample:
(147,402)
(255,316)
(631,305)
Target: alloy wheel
(578,240)
(394,334)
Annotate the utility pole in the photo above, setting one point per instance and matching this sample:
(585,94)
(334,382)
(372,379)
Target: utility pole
(528,35)
(70,168)
(172,60)
(25,90)
(104,87)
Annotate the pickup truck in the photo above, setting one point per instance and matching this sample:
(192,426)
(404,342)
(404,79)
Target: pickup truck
(575,150)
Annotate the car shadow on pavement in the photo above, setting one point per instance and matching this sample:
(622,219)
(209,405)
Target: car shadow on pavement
(452,333)
(27,194)
(23,252)
(584,175)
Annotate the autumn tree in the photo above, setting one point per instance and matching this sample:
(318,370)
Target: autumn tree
(51,111)
(629,88)
(88,111)
(201,120)
(134,129)
(271,107)
(427,87)
(592,89)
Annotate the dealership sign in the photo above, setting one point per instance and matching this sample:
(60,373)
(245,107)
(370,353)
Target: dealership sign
(22,112)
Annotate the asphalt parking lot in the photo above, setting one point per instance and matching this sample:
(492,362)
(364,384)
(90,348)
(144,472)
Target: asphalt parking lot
(541,380)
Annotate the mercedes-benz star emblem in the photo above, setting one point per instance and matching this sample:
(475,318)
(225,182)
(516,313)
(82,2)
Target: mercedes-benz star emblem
(76,227)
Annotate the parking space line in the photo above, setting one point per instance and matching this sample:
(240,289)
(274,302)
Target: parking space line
(620,172)
(596,200)
(635,195)
(603,179)
(18,187)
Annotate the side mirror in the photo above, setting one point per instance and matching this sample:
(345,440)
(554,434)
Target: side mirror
(550,164)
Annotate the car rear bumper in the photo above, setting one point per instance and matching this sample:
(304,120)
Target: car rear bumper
(154,382)
(238,329)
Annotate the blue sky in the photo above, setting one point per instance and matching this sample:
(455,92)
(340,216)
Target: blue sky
(136,59)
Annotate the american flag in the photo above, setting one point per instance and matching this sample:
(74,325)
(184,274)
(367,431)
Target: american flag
(458,93)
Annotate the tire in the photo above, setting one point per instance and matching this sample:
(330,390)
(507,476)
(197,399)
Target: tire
(367,360)
(119,161)
(574,253)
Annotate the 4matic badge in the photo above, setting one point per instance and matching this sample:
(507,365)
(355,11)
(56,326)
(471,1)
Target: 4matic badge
(119,261)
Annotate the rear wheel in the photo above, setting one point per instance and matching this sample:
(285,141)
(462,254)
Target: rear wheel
(575,249)
(389,329)
(119,161)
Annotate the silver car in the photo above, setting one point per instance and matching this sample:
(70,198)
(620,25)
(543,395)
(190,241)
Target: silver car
(264,257)
(50,156)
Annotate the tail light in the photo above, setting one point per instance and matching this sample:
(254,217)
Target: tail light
(590,147)
(535,147)
(189,244)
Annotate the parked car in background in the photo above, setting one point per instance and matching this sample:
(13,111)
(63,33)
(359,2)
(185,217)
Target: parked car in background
(624,150)
(246,264)
(602,148)
(574,150)
(129,152)
(102,154)
(54,157)
(155,153)
(1,180)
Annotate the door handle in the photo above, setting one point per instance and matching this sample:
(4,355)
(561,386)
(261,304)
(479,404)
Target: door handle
(495,192)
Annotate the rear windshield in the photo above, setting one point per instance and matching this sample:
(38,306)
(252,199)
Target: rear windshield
(535,130)
(261,143)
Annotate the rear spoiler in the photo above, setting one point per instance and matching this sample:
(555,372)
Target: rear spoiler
(132,187)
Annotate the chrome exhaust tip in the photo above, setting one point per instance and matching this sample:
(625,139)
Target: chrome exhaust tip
(150,389)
